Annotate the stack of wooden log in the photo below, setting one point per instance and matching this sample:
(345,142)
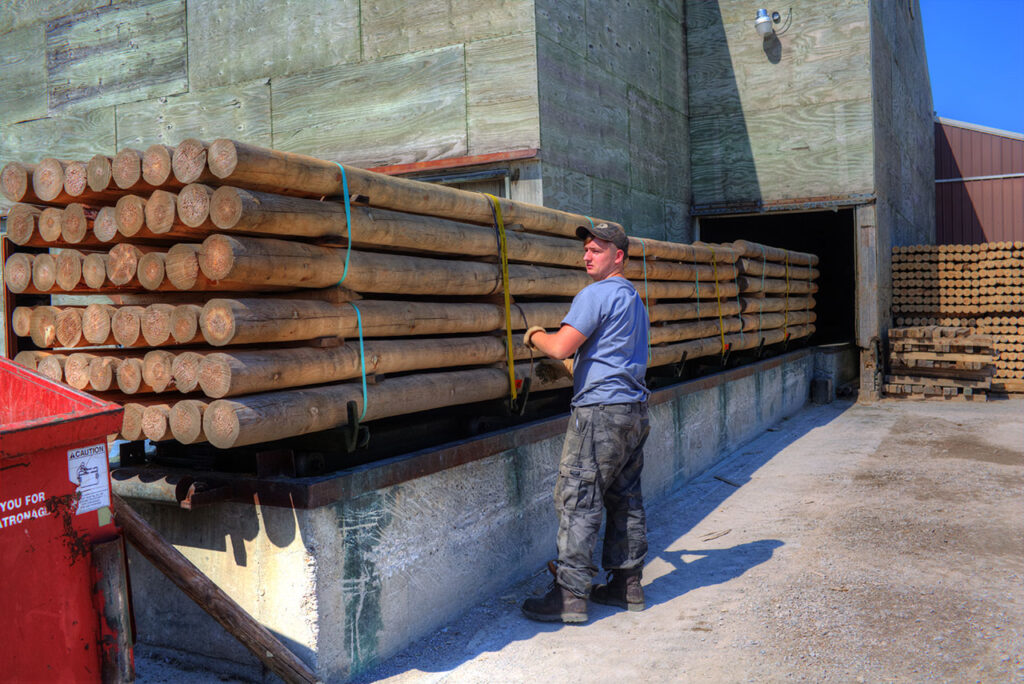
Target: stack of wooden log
(236,294)
(977,286)
(939,362)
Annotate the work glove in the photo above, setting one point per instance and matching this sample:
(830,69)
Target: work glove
(529,333)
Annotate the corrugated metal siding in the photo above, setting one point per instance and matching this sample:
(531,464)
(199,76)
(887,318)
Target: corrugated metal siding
(974,211)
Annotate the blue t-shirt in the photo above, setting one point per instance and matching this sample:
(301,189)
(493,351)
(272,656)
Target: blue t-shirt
(611,363)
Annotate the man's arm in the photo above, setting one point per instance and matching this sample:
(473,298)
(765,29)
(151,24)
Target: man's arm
(559,345)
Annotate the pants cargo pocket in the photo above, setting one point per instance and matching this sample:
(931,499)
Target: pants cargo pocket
(575,488)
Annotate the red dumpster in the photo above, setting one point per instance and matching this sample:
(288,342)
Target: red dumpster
(62,600)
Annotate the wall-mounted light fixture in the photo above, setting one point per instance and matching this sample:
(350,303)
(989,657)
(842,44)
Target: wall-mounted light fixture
(763,23)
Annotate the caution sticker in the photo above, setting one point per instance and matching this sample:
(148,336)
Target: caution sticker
(87,470)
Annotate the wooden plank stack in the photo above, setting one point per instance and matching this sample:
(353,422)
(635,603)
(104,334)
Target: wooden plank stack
(980,287)
(939,362)
(237,295)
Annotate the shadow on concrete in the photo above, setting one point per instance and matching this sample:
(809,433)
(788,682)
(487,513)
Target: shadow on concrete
(498,622)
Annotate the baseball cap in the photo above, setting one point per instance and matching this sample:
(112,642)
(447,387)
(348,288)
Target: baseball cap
(612,232)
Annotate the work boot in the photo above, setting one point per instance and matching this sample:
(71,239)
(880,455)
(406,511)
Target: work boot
(558,604)
(623,590)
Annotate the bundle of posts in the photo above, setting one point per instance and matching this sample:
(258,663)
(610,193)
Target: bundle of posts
(941,362)
(976,286)
(237,294)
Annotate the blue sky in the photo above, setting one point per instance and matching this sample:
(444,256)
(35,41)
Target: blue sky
(976,60)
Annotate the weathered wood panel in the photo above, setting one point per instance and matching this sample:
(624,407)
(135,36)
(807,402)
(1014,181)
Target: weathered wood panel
(394,111)
(673,61)
(77,135)
(566,189)
(394,27)
(620,41)
(23,65)
(646,217)
(584,115)
(121,53)
(240,111)
(658,147)
(501,90)
(562,22)
(794,152)
(16,14)
(233,41)
(824,57)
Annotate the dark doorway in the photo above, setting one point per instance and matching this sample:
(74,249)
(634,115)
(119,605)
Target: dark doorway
(829,234)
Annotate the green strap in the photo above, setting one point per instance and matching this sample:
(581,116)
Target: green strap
(362,356)
(647,296)
(348,221)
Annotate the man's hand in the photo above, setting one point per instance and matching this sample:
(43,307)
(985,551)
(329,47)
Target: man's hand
(529,333)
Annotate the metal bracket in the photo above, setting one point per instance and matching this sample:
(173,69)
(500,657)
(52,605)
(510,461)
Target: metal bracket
(679,367)
(761,351)
(356,436)
(517,406)
(724,361)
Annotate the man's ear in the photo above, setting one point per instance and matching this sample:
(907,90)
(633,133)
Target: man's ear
(620,256)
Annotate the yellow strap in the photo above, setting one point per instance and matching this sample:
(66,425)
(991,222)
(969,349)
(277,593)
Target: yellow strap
(721,321)
(785,320)
(500,225)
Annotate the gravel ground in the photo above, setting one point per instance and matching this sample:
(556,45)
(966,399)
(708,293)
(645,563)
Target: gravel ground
(851,543)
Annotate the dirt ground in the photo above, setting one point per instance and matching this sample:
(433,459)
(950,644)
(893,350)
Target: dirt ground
(848,544)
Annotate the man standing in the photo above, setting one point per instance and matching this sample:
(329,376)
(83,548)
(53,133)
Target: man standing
(602,457)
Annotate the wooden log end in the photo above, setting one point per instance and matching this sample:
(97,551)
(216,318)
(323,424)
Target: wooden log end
(14,181)
(218,322)
(99,173)
(156,164)
(189,160)
(155,424)
(226,207)
(182,265)
(160,211)
(21,318)
(76,370)
(69,269)
(52,367)
(186,421)
(193,204)
(104,226)
(130,214)
(69,327)
(156,323)
(129,375)
(94,270)
(102,372)
(18,272)
(221,424)
(123,263)
(76,178)
(50,223)
(22,223)
(217,256)
(43,326)
(185,323)
(151,270)
(48,179)
(44,272)
(73,223)
(185,370)
(126,324)
(156,369)
(126,167)
(215,375)
(131,421)
(222,157)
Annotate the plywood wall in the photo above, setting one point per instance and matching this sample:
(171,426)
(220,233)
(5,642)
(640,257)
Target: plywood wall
(614,129)
(787,118)
(378,83)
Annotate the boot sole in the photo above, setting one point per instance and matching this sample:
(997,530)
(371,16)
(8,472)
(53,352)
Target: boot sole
(635,607)
(568,618)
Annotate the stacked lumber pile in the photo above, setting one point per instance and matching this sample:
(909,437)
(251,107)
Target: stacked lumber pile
(939,362)
(980,287)
(237,295)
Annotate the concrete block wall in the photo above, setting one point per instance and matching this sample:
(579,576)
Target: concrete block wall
(350,583)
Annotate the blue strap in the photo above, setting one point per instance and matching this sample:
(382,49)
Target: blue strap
(591,221)
(362,356)
(696,274)
(348,231)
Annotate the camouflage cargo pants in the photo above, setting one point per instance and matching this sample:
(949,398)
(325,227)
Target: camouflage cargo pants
(600,470)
